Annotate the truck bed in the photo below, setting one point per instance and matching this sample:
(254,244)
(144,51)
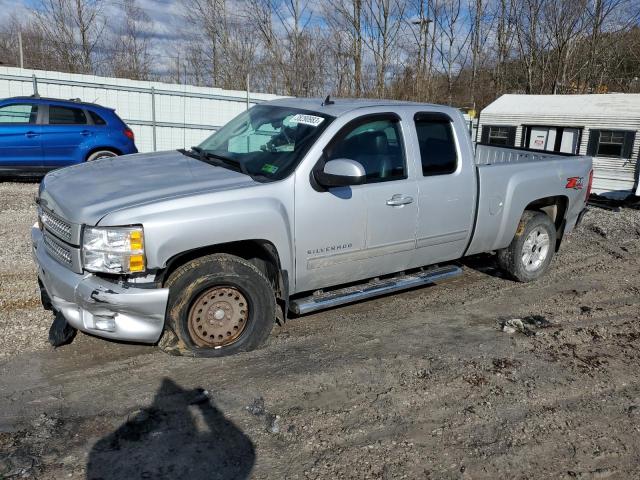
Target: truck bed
(508,180)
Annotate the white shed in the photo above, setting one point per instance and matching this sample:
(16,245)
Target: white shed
(604,126)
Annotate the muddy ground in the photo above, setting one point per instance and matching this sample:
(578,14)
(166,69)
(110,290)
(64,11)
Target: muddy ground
(423,384)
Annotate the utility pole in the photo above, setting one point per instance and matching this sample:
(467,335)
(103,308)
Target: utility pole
(20,48)
(423,23)
(248,98)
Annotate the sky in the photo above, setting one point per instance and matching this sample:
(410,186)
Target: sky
(165,15)
(165,26)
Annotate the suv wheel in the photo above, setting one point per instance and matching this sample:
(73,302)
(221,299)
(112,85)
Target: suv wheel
(529,255)
(101,154)
(218,305)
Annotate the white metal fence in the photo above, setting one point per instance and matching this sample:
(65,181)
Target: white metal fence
(163,116)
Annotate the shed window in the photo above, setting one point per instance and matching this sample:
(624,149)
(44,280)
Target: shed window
(611,143)
(499,135)
(552,138)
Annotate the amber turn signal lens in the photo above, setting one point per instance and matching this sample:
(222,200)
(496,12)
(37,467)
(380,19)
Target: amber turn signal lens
(136,240)
(136,263)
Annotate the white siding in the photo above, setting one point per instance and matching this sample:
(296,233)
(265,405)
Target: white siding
(184,115)
(612,177)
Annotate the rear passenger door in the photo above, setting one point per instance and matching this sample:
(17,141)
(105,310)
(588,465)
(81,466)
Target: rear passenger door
(63,132)
(20,140)
(447,191)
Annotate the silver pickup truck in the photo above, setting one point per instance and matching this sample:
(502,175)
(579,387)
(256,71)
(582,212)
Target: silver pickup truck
(294,206)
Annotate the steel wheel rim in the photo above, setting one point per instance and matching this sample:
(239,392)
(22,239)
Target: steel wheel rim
(535,249)
(218,317)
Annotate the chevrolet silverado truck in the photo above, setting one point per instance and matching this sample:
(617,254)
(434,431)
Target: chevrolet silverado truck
(295,205)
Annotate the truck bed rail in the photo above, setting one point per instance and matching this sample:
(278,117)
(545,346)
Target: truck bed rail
(493,154)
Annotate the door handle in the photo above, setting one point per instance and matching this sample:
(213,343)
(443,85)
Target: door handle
(31,134)
(398,200)
(85,133)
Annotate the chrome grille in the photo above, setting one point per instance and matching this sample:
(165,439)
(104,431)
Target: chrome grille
(56,225)
(57,251)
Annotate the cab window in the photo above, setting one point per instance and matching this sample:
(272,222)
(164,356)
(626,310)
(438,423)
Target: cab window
(437,146)
(376,144)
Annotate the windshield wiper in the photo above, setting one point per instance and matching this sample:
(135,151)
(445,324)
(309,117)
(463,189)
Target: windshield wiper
(195,152)
(234,164)
(215,160)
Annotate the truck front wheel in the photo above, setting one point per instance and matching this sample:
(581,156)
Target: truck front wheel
(218,305)
(529,255)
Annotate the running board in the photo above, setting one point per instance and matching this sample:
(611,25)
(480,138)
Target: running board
(372,289)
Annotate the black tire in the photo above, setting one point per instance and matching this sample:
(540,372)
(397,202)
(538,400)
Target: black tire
(212,273)
(101,154)
(513,259)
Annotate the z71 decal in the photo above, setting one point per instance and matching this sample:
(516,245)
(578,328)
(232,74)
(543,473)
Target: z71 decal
(576,183)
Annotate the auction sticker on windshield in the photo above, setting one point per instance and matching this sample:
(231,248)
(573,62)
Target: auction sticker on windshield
(307,119)
(268,168)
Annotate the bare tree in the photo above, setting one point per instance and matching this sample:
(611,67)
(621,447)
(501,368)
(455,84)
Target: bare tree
(461,52)
(452,44)
(530,41)
(345,20)
(292,46)
(505,27)
(383,22)
(210,16)
(479,37)
(564,24)
(74,29)
(130,57)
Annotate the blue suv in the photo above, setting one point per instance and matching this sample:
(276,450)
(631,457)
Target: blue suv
(41,134)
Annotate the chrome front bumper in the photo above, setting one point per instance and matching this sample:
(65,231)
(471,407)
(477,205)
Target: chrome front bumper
(97,306)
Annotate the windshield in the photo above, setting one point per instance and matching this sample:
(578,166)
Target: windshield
(267,142)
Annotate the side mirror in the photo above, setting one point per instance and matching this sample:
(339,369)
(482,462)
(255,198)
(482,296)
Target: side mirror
(341,172)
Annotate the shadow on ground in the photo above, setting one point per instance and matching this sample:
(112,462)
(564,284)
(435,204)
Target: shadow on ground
(483,263)
(181,435)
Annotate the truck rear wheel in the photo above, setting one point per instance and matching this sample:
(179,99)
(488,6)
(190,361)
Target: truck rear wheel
(218,305)
(529,255)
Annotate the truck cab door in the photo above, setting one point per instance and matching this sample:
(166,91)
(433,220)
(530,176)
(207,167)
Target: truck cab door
(20,137)
(447,189)
(346,234)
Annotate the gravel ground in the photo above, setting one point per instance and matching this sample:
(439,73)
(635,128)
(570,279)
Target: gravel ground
(23,322)
(424,384)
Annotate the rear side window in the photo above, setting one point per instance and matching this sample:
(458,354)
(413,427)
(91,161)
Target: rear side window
(437,146)
(66,116)
(24,113)
(97,119)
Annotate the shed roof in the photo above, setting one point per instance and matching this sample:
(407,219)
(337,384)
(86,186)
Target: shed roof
(610,104)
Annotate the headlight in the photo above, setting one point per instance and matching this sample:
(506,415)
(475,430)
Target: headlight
(113,249)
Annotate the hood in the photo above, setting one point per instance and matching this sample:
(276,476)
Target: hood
(87,192)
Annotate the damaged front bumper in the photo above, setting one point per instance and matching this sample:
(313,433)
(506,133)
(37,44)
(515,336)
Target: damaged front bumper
(98,306)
